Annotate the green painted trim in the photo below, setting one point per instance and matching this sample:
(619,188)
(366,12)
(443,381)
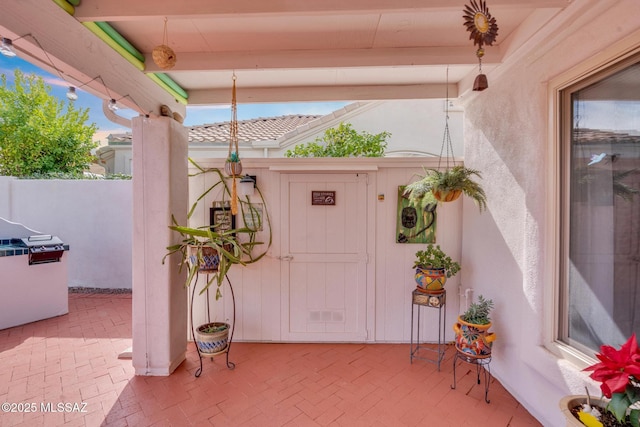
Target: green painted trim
(95,29)
(163,85)
(172,84)
(66,6)
(117,37)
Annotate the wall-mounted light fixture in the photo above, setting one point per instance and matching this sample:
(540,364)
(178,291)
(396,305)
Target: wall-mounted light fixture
(7,49)
(72,95)
(247,185)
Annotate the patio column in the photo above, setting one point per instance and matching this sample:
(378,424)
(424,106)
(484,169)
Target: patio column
(160,150)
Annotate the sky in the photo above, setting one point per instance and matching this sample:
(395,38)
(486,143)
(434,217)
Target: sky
(196,115)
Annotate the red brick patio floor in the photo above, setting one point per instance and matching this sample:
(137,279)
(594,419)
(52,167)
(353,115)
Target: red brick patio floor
(73,360)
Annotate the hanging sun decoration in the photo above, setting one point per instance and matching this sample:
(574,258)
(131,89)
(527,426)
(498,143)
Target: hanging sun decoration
(232,166)
(484,30)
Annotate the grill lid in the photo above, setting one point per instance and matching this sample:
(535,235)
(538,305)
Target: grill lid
(42,240)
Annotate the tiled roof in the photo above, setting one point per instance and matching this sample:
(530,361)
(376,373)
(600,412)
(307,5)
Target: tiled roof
(260,129)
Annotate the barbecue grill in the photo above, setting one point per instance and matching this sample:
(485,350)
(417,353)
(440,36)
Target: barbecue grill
(43,248)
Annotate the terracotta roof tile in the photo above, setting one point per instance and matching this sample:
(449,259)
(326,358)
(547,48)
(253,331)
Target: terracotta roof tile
(253,130)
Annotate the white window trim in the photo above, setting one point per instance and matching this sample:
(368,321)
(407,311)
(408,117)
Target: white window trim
(614,54)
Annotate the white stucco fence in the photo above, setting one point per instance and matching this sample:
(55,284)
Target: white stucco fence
(92,216)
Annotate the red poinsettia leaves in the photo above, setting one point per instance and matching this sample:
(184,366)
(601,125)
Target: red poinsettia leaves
(616,366)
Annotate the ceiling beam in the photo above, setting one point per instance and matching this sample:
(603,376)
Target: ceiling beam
(338,58)
(322,93)
(79,55)
(122,10)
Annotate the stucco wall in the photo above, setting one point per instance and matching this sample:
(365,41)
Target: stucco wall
(93,217)
(507,137)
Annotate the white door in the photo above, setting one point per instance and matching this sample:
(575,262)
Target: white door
(324,258)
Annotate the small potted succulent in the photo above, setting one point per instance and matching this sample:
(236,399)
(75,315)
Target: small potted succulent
(433,267)
(446,186)
(473,338)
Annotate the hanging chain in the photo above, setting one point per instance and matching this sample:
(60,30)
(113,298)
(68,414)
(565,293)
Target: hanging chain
(446,138)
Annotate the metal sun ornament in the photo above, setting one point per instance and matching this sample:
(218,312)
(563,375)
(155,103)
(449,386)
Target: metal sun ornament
(484,30)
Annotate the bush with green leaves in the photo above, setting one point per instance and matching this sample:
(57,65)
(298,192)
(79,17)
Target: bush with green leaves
(343,141)
(38,133)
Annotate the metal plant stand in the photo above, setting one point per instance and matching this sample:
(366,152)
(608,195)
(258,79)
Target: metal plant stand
(230,365)
(481,365)
(438,301)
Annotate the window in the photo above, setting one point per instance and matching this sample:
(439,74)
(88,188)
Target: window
(600,191)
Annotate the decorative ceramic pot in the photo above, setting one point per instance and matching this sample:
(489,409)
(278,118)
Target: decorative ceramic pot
(430,279)
(473,340)
(567,403)
(446,196)
(210,343)
(210,259)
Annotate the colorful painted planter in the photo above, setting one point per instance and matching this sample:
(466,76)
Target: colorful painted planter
(473,340)
(209,258)
(430,279)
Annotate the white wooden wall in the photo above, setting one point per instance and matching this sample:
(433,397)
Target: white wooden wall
(257,287)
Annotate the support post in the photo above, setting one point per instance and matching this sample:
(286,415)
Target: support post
(160,189)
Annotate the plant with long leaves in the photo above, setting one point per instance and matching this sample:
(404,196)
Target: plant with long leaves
(233,246)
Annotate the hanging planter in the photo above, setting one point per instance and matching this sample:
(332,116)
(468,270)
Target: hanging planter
(233,166)
(446,195)
(446,185)
(163,56)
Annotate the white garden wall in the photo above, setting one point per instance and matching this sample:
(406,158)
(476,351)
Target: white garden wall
(93,217)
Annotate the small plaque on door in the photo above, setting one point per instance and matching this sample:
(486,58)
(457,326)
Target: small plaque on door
(324,198)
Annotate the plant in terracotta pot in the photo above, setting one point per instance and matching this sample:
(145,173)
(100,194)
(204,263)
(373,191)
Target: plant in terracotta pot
(445,186)
(473,338)
(619,375)
(433,268)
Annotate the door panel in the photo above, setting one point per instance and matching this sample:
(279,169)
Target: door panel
(324,287)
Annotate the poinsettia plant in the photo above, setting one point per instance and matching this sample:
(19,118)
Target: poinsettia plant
(619,375)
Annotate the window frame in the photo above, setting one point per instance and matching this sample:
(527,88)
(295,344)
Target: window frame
(560,89)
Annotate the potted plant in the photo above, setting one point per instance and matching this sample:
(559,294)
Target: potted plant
(446,186)
(212,338)
(619,375)
(433,267)
(213,251)
(473,338)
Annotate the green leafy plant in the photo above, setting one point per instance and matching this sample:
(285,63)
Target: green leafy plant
(421,193)
(233,246)
(434,257)
(478,312)
(343,141)
(38,133)
(213,328)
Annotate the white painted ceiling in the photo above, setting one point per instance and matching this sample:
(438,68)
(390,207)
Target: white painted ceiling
(280,50)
